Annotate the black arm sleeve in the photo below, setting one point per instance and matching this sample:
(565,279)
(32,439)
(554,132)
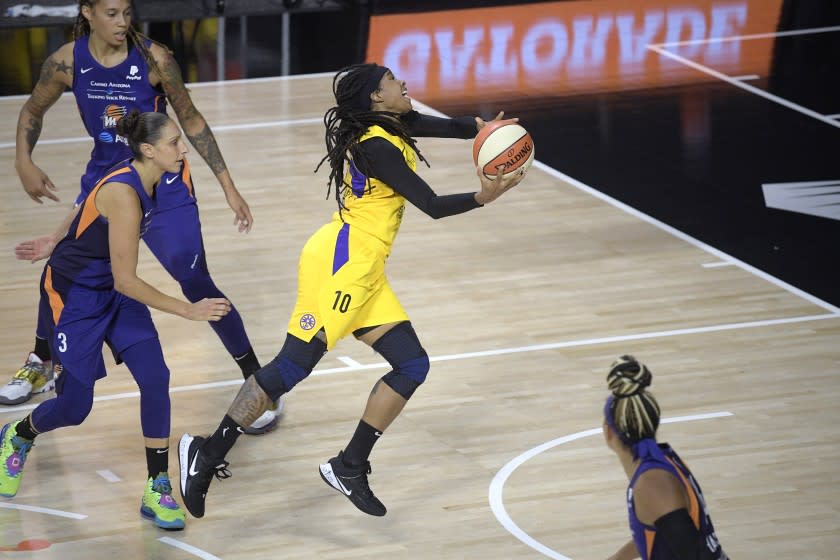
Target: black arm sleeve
(682,537)
(388,165)
(428,126)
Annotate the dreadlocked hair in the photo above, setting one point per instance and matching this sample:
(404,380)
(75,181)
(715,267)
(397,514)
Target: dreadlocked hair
(634,409)
(138,40)
(345,124)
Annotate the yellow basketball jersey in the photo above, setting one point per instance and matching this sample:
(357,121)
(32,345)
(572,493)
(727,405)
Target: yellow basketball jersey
(371,205)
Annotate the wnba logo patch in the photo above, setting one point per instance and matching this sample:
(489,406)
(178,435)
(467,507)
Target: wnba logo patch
(307,321)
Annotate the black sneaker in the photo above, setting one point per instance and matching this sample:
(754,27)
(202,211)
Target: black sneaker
(353,483)
(197,471)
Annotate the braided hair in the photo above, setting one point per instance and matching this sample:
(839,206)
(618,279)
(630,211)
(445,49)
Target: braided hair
(82,27)
(348,121)
(631,411)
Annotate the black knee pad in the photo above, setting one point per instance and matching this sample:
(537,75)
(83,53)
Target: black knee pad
(401,347)
(292,365)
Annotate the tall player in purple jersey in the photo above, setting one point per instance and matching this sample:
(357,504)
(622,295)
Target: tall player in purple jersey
(112,69)
(91,294)
(665,506)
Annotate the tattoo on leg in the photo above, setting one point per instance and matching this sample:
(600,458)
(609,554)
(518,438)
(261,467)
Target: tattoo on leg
(250,402)
(375,387)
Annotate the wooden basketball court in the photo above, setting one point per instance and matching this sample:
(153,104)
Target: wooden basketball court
(521,305)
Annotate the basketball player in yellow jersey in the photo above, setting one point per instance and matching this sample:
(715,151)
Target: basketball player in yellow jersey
(342,287)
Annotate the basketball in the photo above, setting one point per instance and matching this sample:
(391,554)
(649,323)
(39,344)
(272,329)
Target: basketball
(505,143)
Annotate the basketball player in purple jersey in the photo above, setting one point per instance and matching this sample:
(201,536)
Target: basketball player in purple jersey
(92,294)
(665,506)
(112,69)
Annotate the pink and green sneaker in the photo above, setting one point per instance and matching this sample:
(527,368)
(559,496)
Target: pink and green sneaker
(13,451)
(159,506)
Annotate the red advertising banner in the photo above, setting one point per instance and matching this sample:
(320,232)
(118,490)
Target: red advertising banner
(565,48)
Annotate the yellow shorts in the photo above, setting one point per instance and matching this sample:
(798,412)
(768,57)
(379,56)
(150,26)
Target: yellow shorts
(342,285)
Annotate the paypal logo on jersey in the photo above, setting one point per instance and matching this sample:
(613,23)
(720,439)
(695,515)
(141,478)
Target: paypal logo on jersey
(133,73)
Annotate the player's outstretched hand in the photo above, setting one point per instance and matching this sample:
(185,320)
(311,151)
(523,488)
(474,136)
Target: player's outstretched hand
(491,189)
(481,123)
(36,183)
(35,249)
(243,218)
(208,309)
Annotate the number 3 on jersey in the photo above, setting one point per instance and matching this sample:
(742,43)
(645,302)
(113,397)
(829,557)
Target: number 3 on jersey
(342,302)
(62,342)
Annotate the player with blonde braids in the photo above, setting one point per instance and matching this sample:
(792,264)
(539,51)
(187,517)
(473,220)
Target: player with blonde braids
(113,69)
(665,506)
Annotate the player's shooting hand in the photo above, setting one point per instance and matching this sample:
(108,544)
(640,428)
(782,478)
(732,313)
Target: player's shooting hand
(491,189)
(481,123)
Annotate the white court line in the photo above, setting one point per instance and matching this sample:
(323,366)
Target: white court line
(219,128)
(835,116)
(717,264)
(193,85)
(746,77)
(673,231)
(749,37)
(349,361)
(495,493)
(108,475)
(188,548)
(488,353)
(752,89)
(47,511)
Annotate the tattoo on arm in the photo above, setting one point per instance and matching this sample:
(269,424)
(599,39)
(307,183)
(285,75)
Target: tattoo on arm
(203,141)
(249,404)
(50,67)
(49,88)
(205,144)
(33,132)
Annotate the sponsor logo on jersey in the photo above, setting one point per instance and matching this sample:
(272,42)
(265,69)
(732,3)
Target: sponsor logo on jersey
(133,73)
(109,138)
(112,115)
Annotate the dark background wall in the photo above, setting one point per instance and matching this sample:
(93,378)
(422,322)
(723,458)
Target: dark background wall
(685,148)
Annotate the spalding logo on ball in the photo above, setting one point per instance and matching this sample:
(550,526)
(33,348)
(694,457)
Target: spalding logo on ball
(504,143)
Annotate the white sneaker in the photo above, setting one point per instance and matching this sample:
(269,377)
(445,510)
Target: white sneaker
(32,378)
(267,422)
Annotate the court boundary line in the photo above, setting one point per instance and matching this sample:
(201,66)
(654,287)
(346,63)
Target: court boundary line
(496,490)
(580,185)
(219,128)
(45,511)
(190,85)
(483,354)
(790,33)
(194,550)
(661,48)
(745,86)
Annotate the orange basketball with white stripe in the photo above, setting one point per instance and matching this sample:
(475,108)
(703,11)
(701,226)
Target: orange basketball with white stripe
(503,143)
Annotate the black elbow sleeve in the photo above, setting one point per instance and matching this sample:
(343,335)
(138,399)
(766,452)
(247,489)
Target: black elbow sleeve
(682,537)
